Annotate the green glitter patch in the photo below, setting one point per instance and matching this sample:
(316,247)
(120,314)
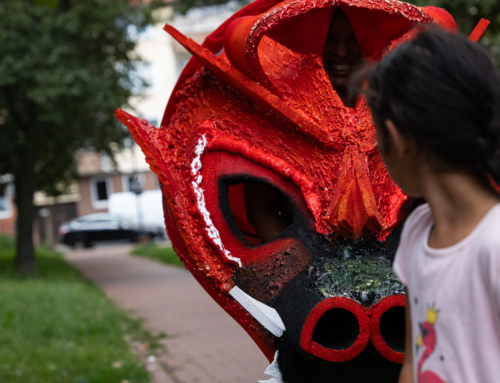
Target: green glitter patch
(366,279)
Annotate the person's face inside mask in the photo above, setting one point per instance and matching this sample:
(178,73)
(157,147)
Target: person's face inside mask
(342,55)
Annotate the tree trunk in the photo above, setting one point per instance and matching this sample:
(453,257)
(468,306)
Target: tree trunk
(25,188)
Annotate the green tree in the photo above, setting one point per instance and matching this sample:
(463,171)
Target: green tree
(467,14)
(64,68)
(182,6)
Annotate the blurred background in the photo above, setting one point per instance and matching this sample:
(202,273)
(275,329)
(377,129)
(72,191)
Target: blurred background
(69,171)
(65,67)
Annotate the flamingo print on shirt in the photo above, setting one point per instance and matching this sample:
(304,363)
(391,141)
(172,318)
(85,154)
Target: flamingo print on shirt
(427,339)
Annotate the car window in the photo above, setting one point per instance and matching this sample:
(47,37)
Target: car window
(89,226)
(99,225)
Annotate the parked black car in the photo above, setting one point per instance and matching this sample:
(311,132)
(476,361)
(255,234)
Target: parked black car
(84,231)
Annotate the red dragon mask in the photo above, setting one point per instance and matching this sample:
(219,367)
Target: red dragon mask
(255,107)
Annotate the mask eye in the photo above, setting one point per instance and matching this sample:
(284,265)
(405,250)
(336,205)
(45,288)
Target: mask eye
(269,211)
(259,211)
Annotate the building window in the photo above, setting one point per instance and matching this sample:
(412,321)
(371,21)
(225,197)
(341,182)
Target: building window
(106,163)
(5,205)
(3,200)
(100,190)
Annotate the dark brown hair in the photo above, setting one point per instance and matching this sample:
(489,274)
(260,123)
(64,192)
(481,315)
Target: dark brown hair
(443,91)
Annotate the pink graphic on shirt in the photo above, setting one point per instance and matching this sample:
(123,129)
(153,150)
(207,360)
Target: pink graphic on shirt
(427,338)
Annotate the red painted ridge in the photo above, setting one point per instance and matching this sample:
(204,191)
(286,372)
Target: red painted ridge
(255,91)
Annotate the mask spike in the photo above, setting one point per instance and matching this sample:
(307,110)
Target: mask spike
(477,33)
(146,136)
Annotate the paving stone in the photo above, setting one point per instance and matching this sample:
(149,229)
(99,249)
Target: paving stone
(204,344)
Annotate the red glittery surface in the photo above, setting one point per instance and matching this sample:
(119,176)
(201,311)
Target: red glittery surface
(266,108)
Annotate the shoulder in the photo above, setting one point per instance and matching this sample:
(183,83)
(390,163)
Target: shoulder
(413,232)
(489,234)
(420,213)
(487,246)
(417,222)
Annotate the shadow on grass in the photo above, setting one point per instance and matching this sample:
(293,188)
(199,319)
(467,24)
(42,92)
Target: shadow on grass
(49,265)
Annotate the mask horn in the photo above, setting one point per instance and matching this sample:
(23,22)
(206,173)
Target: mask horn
(442,17)
(479,30)
(235,45)
(252,89)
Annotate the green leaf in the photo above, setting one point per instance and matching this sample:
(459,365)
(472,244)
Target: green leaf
(50,3)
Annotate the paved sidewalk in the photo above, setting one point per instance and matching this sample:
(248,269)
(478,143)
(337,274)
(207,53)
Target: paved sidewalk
(204,344)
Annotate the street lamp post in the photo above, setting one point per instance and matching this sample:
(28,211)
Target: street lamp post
(45,214)
(136,188)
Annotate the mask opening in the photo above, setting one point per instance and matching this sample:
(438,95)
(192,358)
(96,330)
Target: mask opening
(338,329)
(392,328)
(261,212)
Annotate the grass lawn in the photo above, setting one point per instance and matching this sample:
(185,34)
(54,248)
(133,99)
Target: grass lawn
(164,254)
(57,328)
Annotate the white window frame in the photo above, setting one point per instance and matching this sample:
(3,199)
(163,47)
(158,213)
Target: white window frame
(97,204)
(7,214)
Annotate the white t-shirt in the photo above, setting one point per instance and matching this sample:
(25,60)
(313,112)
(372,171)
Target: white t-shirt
(454,296)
